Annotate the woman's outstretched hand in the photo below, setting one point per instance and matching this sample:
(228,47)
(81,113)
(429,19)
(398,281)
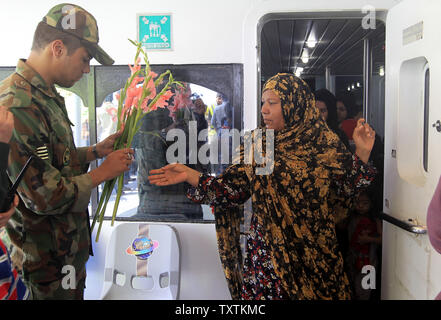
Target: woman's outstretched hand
(364,138)
(173,174)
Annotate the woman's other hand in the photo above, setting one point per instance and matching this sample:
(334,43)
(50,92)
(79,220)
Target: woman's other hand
(364,138)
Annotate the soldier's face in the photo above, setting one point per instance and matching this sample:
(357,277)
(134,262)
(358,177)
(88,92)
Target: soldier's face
(72,67)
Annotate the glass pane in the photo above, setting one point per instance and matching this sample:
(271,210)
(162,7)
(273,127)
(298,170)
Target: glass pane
(78,115)
(184,123)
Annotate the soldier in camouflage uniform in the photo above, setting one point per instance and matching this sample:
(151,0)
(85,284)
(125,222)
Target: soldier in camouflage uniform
(51,224)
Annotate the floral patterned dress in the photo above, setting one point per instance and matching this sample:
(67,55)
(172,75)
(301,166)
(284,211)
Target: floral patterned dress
(259,278)
(292,249)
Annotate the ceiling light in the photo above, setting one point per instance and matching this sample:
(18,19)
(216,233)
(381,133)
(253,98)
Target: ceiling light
(358,84)
(353,86)
(305,56)
(311,43)
(381,71)
(349,88)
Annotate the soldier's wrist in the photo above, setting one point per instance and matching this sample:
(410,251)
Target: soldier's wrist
(98,176)
(95,152)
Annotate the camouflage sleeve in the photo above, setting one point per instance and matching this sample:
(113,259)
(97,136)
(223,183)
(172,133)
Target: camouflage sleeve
(48,187)
(82,154)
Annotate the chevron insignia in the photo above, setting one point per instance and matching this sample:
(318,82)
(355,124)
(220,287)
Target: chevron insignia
(43,153)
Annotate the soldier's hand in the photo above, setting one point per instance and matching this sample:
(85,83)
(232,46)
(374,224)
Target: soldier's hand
(6,125)
(5,216)
(105,147)
(114,165)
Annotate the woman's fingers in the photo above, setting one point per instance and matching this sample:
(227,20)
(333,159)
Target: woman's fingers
(156,171)
(363,126)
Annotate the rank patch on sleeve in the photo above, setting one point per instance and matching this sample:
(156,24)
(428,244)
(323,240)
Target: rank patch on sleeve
(42,153)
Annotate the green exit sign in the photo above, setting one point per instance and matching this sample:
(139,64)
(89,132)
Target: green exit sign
(154,31)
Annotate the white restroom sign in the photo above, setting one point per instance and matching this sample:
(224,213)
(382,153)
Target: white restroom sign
(154,31)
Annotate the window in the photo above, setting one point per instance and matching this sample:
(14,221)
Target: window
(413,121)
(140,200)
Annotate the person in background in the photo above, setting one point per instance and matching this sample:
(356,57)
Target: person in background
(220,122)
(345,110)
(326,102)
(292,250)
(51,224)
(365,236)
(198,109)
(11,285)
(219,115)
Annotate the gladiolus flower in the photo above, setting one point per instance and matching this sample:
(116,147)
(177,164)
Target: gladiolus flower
(162,101)
(131,112)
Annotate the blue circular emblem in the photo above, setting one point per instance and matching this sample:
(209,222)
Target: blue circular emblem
(142,248)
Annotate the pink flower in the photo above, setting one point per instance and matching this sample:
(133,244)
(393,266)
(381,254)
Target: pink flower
(162,101)
(132,93)
(112,112)
(151,87)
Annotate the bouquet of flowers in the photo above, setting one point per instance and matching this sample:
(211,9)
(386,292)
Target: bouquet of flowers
(139,97)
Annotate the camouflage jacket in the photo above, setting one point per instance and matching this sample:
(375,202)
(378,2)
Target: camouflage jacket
(51,224)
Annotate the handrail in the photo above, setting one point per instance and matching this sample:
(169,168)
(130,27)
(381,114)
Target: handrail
(408,225)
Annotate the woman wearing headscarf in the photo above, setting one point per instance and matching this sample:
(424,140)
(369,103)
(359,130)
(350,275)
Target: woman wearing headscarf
(292,250)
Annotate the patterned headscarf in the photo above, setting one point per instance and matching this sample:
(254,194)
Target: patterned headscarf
(291,202)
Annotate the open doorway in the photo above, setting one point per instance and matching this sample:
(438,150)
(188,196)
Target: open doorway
(335,52)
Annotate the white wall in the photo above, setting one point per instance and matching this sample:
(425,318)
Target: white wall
(410,265)
(204,31)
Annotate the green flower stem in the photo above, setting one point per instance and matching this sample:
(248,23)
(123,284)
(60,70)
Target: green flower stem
(100,204)
(132,123)
(118,197)
(111,184)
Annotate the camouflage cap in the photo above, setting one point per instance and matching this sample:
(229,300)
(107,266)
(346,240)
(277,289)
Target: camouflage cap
(75,20)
